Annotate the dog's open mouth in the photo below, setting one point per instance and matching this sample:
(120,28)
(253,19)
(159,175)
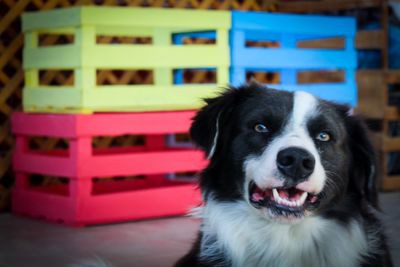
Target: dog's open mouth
(282,201)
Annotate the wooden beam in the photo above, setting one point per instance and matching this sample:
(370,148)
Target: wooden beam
(325,5)
(385,37)
(393,76)
(331,43)
(391,144)
(372,39)
(391,182)
(392,113)
(371,93)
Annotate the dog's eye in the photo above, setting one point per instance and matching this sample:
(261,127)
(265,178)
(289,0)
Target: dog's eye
(260,128)
(323,136)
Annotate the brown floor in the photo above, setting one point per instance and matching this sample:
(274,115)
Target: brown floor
(30,243)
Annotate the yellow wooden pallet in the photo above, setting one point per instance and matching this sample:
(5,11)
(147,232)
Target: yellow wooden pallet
(85,57)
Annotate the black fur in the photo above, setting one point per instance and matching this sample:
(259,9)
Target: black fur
(349,158)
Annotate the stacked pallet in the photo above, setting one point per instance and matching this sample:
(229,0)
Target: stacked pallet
(116,183)
(291,62)
(98,185)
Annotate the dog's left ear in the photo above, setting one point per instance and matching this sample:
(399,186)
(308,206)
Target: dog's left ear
(211,122)
(364,172)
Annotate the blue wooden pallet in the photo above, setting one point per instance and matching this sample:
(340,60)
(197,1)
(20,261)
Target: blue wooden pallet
(288,59)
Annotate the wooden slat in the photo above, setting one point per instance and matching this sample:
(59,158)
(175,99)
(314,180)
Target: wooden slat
(391,182)
(138,56)
(391,144)
(282,23)
(327,5)
(331,43)
(321,76)
(70,126)
(144,56)
(364,40)
(384,8)
(391,113)
(140,98)
(54,57)
(299,59)
(393,76)
(372,39)
(155,17)
(371,94)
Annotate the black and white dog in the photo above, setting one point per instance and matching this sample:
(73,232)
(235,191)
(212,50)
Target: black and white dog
(291,182)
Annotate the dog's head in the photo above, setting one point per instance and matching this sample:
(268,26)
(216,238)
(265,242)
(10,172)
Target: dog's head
(288,155)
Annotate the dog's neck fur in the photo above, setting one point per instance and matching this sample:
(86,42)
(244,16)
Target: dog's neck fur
(234,230)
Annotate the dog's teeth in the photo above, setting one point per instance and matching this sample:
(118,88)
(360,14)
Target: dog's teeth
(276,194)
(291,203)
(303,198)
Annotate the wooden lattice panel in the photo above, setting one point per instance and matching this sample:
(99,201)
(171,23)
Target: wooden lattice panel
(12,78)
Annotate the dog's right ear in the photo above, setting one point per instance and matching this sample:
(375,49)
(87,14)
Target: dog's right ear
(211,122)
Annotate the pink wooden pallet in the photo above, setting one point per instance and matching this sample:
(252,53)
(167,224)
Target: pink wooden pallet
(83,201)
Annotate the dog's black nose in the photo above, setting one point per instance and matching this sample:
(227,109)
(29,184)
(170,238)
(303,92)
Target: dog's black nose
(295,163)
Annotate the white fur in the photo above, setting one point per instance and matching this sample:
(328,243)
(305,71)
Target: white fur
(263,169)
(214,144)
(248,239)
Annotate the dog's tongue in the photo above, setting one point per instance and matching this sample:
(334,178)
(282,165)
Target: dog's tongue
(283,193)
(257,196)
(291,193)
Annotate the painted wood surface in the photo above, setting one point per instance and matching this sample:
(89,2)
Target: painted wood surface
(287,58)
(85,56)
(82,200)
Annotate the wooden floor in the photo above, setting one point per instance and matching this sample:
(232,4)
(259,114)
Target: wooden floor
(30,243)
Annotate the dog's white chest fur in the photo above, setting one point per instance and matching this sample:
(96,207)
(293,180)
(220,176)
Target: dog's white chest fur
(249,240)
